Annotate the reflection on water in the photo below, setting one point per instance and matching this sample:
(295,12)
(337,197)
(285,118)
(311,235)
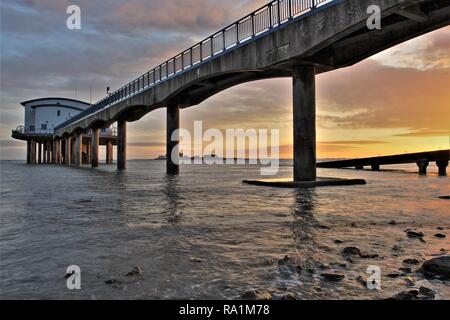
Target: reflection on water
(204,234)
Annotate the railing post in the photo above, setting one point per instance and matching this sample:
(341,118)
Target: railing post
(212,46)
(313,4)
(237,32)
(290,9)
(201,51)
(270,15)
(279,12)
(253,24)
(224,41)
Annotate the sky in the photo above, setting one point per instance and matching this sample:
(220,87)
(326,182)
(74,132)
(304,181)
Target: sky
(397,101)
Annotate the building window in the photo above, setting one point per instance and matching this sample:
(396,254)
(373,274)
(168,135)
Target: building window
(32,128)
(59,113)
(44,126)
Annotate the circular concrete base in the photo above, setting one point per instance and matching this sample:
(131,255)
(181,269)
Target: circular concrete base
(320,182)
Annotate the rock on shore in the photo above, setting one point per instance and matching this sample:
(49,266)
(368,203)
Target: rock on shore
(437,267)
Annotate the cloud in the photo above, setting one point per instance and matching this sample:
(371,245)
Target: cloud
(352,142)
(425,133)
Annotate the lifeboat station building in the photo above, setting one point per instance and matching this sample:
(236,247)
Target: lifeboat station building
(42,116)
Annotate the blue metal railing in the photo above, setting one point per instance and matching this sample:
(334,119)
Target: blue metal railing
(272,15)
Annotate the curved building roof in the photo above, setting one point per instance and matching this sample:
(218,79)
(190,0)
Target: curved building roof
(25,103)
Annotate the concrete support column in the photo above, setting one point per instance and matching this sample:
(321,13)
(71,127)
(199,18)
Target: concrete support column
(423,164)
(28,151)
(122,145)
(33,152)
(57,151)
(39,152)
(442,165)
(49,152)
(79,149)
(304,105)
(359,167)
(375,167)
(68,151)
(173,123)
(94,145)
(53,151)
(88,151)
(44,152)
(72,149)
(109,153)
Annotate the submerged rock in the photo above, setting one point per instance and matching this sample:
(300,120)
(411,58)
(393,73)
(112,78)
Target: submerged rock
(424,291)
(135,271)
(113,281)
(406,295)
(351,251)
(411,261)
(439,235)
(256,295)
(405,270)
(437,267)
(333,276)
(414,234)
(421,294)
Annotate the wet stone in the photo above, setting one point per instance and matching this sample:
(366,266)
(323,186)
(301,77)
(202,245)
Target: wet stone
(333,276)
(351,251)
(414,234)
(135,271)
(439,235)
(437,267)
(411,261)
(256,295)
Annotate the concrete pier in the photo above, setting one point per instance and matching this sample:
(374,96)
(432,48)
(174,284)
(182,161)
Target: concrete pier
(109,153)
(173,123)
(58,151)
(88,152)
(423,164)
(49,152)
(304,116)
(39,160)
(68,151)
(122,145)
(32,152)
(442,165)
(94,147)
(79,149)
(28,151)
